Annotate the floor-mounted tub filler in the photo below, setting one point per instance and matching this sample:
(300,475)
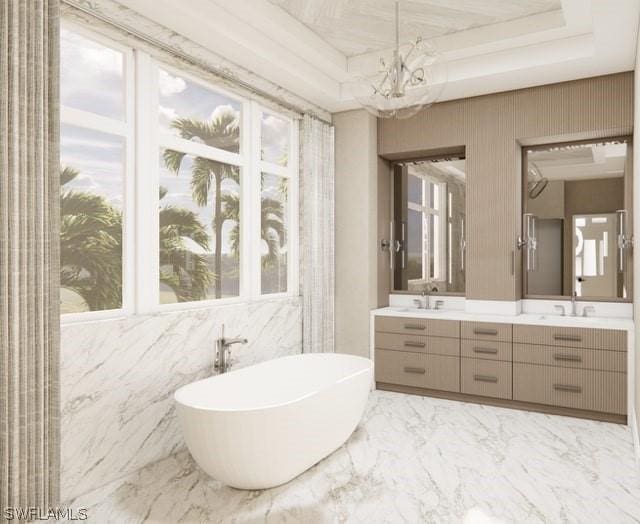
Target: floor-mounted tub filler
(261,426)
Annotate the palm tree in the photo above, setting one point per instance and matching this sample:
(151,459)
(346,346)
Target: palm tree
(90,246)
(272,227)
(223,133)
(188,276)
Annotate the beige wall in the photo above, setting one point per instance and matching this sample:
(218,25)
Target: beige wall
(357,223)
(492,129)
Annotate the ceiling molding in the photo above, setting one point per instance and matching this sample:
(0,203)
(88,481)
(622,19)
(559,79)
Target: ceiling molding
(585,38)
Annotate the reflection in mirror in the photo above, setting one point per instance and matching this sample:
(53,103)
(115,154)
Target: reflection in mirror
(429,225)
(580,195)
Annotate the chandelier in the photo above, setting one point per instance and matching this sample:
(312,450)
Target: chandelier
(407,82)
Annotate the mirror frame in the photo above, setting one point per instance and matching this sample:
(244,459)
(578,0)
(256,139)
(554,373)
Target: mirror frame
(453,153)
(524,199)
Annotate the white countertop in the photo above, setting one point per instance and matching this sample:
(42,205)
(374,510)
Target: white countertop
(525,318)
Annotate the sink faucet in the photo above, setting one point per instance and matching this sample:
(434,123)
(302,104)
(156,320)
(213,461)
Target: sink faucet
(422,303)
(223,353)
(574,309)
(425,295)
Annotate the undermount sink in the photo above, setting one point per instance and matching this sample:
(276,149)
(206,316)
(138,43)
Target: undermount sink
(415,310)
(577,319)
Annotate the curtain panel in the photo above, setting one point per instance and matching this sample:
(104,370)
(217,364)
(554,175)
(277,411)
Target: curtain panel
(318,236)
(29,257)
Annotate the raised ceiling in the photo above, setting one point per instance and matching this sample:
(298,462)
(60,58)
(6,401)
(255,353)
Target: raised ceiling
(488,45)
(355,27)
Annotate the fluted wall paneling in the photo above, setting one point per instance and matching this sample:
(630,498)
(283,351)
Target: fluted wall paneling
(492,129)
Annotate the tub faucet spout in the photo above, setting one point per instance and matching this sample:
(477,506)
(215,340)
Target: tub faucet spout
(222,362)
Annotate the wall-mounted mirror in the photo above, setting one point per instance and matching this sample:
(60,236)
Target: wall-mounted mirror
(428,228)
(577,200)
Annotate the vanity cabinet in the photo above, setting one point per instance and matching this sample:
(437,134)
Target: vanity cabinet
(486,358)
(580,368)
(421,353)
(566,370)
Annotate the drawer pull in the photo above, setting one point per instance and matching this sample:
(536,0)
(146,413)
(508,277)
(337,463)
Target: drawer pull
(410,344)
(568,338)
(485,378)
(567,358)
(415,326)
(570,389)
(488,351)
(484,331)
(409,369)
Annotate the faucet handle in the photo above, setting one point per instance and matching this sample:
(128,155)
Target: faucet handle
(438,304)
(560,308)
(417,302)
(588,309)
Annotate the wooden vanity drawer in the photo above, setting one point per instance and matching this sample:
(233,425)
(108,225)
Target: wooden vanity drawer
(418,370)
(418,344)
(571,357)
(486,378)
(486,331)
(418,326)
(486,350)
(603,391)
(614,340)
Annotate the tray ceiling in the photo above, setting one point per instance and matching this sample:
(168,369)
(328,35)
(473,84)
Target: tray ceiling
(357,27)
(488,45)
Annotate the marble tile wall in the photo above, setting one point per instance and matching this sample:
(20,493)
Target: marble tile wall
(119,375)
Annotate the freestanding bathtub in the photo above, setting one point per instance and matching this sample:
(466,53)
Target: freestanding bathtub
(260,426)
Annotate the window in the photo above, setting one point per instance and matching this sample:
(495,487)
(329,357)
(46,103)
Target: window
(94,153)
(209,177)
(273,232)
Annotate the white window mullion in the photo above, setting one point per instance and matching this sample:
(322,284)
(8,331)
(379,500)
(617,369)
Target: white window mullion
(195,149)
(147,185)
(294,210)
(246,192)
(129,230)
(80,118)
(276,169)
(255,262)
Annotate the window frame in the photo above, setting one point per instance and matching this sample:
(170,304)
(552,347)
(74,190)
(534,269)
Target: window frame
(125,129)
(143,141)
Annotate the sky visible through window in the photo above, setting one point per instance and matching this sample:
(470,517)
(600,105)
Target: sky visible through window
(99,159)
(92,77)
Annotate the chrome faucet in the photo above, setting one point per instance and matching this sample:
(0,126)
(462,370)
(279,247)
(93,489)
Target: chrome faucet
(560,308)
(223,351)
(425,296)
(574,308)
(422,303)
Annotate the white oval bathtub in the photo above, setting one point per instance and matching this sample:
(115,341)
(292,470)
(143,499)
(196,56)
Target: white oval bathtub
(263,425)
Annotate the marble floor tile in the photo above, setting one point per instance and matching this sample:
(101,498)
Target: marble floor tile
(412,459)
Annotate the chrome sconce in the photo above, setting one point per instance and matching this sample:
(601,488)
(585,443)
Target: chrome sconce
(624,240)
(529,241)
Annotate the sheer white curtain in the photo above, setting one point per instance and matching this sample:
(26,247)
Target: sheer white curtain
(318,237)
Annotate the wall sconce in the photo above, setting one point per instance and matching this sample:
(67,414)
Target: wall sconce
(529,240)
(624,240)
